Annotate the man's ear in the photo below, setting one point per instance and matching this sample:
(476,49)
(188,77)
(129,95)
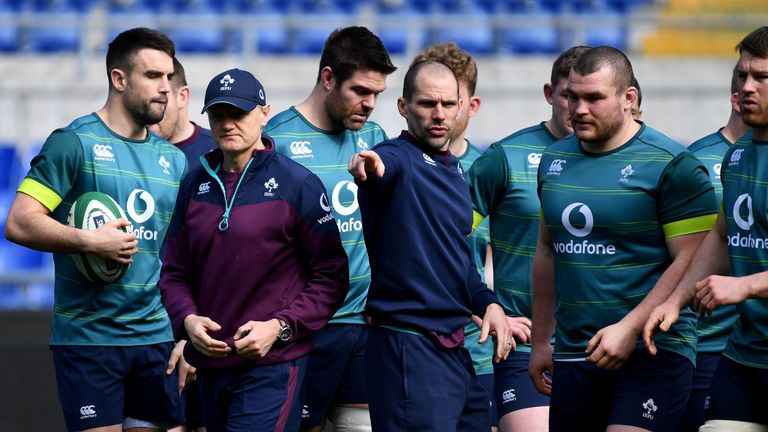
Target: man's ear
(402,106)
(117,78)
(474,105)
(549,93)
(327,79)
(183,96)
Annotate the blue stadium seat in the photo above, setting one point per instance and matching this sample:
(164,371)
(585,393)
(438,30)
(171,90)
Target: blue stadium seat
(539,36)
(473,32)
(10,166)
(16,264)
(203,38)
(10,35)
(615,36)
(60,34)
(310,39)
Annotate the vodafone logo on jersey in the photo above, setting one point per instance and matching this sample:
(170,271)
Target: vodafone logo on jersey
(344,201)
(745,220)
(580,227)
(742,223)
(589,220)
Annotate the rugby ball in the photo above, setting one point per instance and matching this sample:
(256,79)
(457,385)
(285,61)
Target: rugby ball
(90,211)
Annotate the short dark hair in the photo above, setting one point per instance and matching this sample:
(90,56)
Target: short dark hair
(595,58)
(460,61)
(354,48)
(636,85)
(562,66)
(179,77)
(734,80)
(755,43)
(122,49)
(409,83)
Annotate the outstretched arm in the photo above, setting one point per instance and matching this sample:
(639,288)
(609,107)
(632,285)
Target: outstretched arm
(364,163)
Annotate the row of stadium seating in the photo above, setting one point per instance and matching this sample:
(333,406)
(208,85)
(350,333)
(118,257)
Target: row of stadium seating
(301,26)
(26,275)
(323,6)
(532,34)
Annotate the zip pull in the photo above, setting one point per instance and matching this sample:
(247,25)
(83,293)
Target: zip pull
(224,224)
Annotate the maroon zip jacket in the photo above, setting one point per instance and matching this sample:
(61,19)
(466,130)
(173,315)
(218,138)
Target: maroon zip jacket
(280,256)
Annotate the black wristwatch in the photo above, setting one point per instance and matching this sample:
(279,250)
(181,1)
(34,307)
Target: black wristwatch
(285,332)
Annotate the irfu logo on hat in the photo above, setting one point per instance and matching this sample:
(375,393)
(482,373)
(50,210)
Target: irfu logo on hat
(226,82)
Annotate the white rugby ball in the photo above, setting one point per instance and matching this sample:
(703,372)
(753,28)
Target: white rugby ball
(90,211)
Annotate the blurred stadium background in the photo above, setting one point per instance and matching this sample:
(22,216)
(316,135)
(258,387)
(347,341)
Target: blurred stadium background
(52,70)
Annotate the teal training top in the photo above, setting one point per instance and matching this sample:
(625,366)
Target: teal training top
(143,177)
(714,330)
(609,216)
(503,187)
(482,354)
(745,197)
(326,154)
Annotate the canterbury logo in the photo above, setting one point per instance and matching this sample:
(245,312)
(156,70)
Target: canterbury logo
(300,148)
(103,151)
(87,411)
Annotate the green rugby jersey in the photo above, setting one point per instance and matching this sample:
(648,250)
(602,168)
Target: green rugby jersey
(609,216)
(482,354)
(714,330)
(503,186)
(326,154)
(745,200)
(143,177)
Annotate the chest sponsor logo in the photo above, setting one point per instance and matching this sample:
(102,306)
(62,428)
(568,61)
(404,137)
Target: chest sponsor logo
(301,149)
(556,167)
(428,159)
(326,208)
(344,200)
(735,157)
(626,173)
(140,208)
(103,152)
(580,226)
(270,185)
(459,170)
(534,159)
(716,169)
(744,218)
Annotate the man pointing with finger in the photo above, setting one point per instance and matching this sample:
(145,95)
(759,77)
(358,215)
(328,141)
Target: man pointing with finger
(417,215)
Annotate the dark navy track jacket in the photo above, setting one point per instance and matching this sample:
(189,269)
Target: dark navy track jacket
(416,220)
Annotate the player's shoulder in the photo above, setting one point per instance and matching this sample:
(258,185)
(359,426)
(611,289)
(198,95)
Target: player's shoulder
(657,142)
(532,135)
(709,142)
(282,120)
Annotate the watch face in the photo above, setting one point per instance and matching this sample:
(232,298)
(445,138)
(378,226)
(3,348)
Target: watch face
(285,332)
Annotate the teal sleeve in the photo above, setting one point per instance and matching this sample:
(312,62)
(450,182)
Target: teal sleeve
(686,194)
(59,162)
(488,179)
